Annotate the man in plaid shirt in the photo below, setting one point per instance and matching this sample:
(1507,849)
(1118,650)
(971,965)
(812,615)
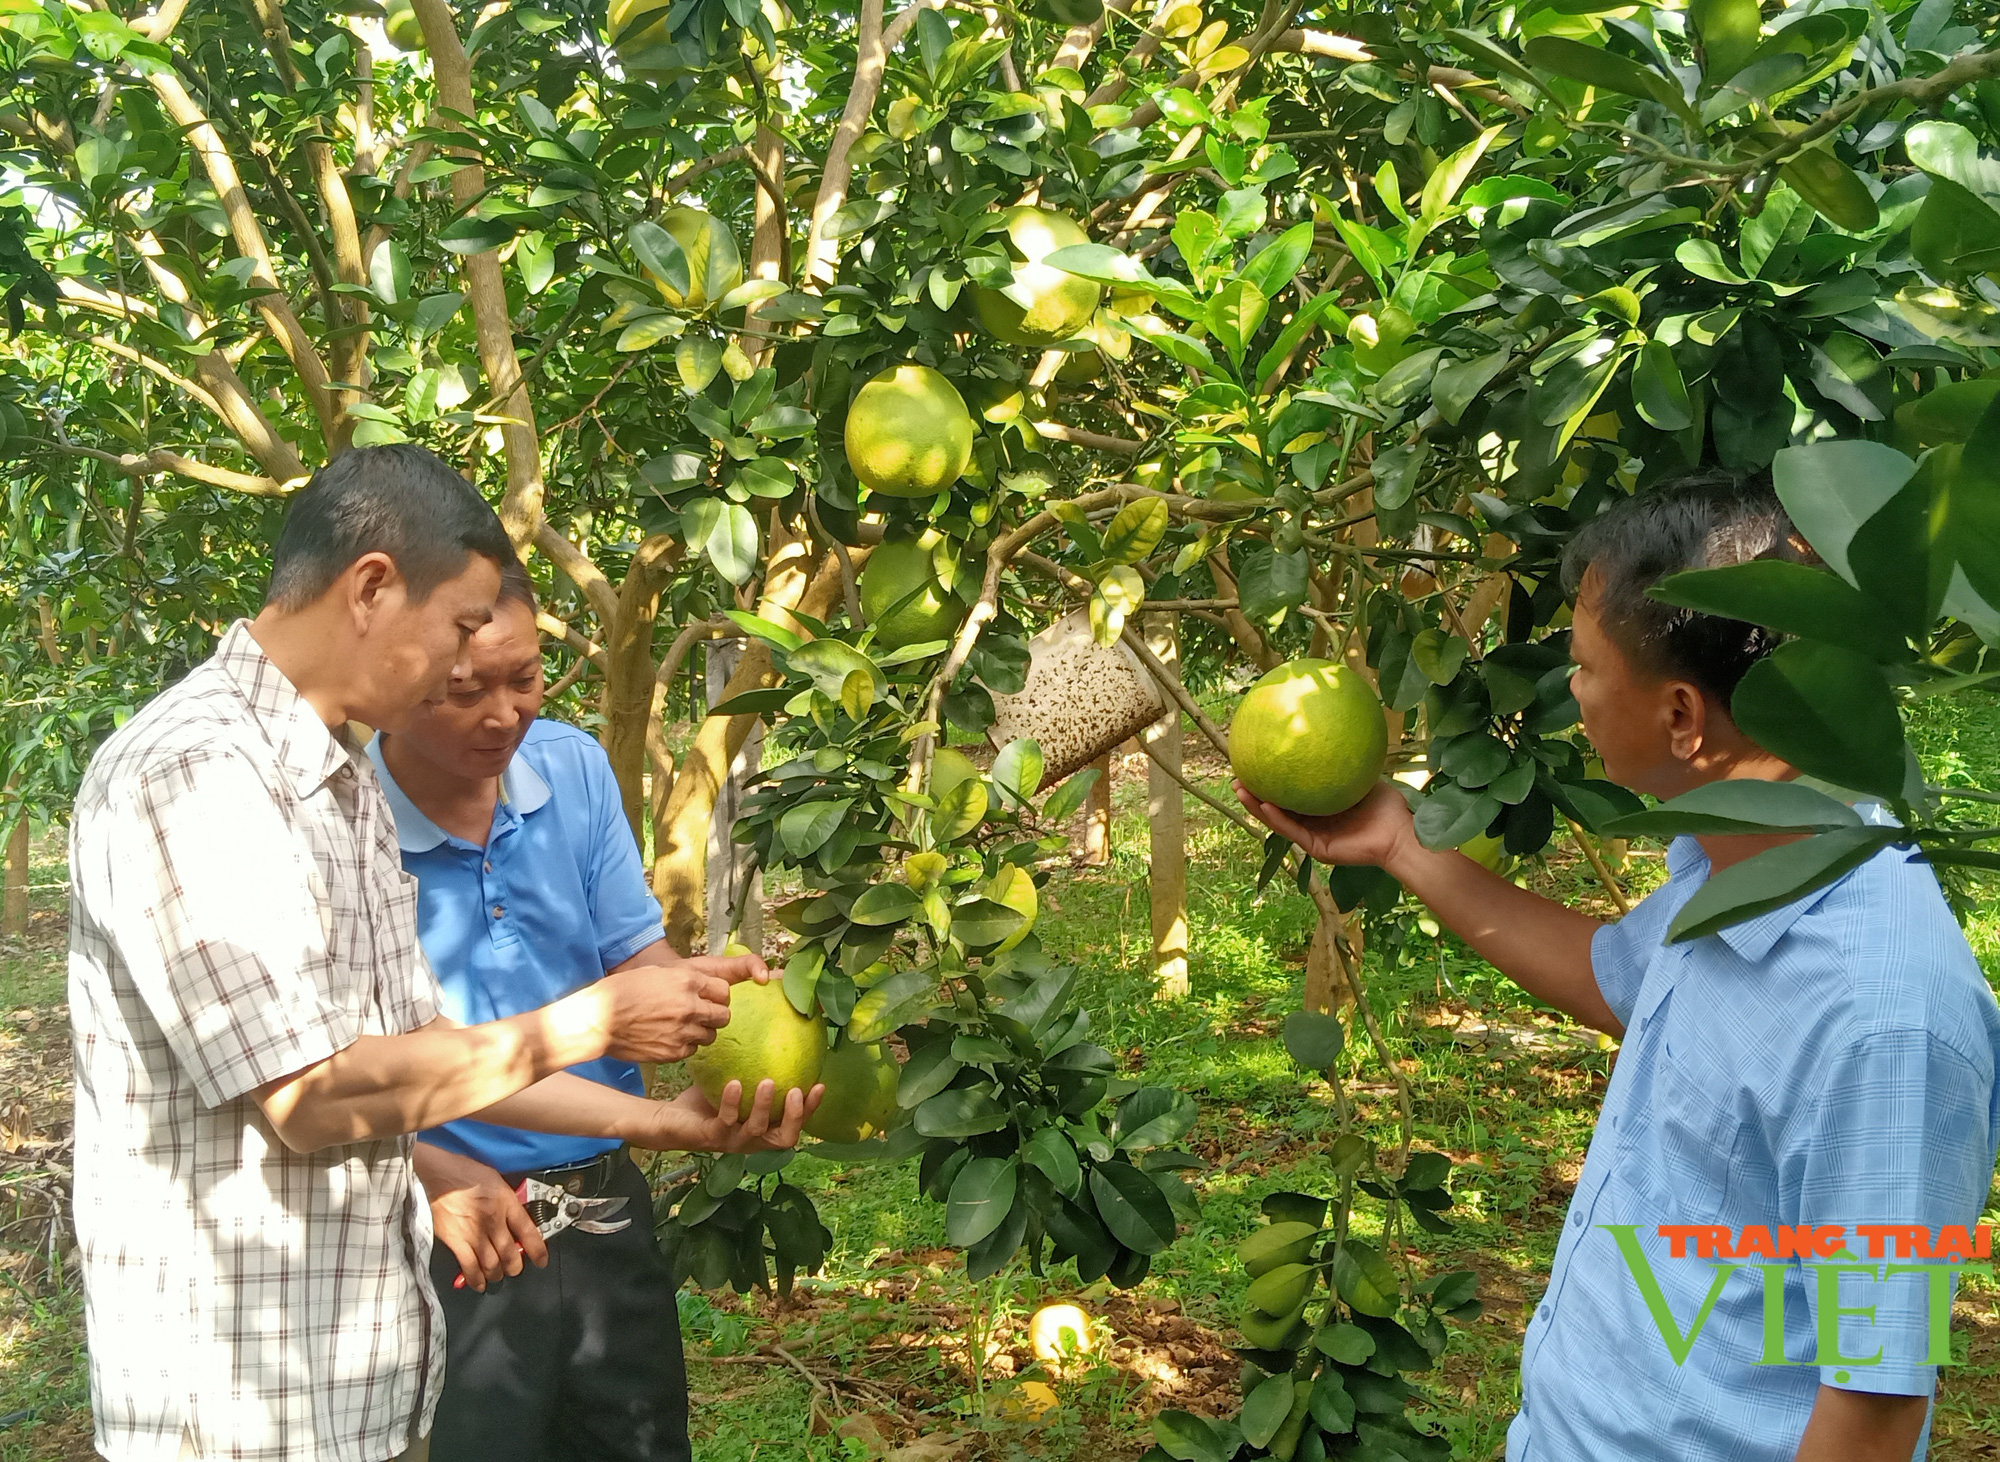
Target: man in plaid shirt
(256,1029)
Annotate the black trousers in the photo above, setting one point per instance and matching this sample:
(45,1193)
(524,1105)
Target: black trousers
(581,1360)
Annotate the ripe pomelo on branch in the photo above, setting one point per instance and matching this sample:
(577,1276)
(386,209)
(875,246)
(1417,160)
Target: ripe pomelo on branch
(908,432)
(1489,852)
(714,265)
(860,1098)
(1309,737)
(636,26)
(765,1037)
(404,30)
(1057,305)
(899,568)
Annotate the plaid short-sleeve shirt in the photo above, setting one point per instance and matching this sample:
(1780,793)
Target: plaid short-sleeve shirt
(240,913)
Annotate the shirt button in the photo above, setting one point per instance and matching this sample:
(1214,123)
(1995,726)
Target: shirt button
(499,911)
(488,865)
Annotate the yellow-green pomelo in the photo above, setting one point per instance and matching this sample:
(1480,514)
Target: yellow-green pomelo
(1060,304)
(714,265)
(894,572)
(949,768)
(765,1037)
(908,432)
(1487,851)
(860,1099)
(1309,737)
(405,32)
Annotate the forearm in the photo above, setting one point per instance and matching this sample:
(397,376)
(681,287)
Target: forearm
(1860,1426)
(1539,944)
(382,1086)
(575,1106)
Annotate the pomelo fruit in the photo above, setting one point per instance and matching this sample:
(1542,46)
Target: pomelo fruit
(405,32)
(1488,852)
(896,570)
(714,265)
(860,1099)
(1057,1332)
(1060,304)
(765,1037)
(908,432)
(1309,737)
(635,26)
(949,768)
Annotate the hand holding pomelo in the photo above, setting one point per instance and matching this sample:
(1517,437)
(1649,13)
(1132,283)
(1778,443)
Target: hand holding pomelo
(1309,737)
(765,1037)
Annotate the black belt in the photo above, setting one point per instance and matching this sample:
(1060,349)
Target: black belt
(580,1180)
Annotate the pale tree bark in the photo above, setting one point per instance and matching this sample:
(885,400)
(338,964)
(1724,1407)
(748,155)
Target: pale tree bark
(521,508)
(1247,636)
(679,863)
(1166,816)
(14,913)
(628,672)
(1097,816)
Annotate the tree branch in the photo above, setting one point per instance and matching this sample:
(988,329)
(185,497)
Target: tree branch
(160,460)
(1055,431)
(586,575)
(586,648)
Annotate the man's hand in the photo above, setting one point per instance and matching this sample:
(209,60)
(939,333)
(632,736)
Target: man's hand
(1374,830)
(692,1125)
(663,1012)
(476,1216)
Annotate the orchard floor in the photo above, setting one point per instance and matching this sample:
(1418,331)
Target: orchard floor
(871,1357)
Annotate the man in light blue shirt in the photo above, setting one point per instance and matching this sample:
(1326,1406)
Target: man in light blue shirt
(1830,1063)
(529,886)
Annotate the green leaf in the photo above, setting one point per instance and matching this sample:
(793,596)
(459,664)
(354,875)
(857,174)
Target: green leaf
(1300,325)
(1265,1409)
(929,1071)
(470,235)
(1595,66)
(1760,79)
(1775,878)
(727,534)
(981,922)
(959,811)
(828,662)
(1273,266)
(1458,383)
(1703,259)
(1438,653)
(1974,516)
(1728,807)
(1099,262)
(1792,597)
(649,330)
(1829,489)
(1017,768)
(764,629)
(1234,312)
(1054,1155)
(1956,233)
(1729,30)
(389,273)
(1658,391)
(1835,191)
(805,828)
(802,978)
(892,1003)
(1331,1406)
(1136,531)
(1951,152)
(1132,1207)
(1313,1038)
(1364,1280)
(1152,1116)
(696,360)
(885,903)
(1441,187)
(960,1112)
(434,312)
(1348,1344)
(980,1198)
(1186,1437)
(1063,803)
(1828,712)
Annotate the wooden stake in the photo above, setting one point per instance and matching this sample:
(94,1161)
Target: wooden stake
(14,918)
(1166,813)
(1097,817)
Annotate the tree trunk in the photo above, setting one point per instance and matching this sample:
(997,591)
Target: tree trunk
(1247,636)
(1097,816)
(14,915)
(729,862)
(628,672)
(679,864)
(1166,814)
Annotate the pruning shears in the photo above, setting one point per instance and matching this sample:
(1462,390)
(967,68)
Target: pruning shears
(554,1208)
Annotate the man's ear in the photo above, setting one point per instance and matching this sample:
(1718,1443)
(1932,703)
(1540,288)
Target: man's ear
(367,584)
(1687,714)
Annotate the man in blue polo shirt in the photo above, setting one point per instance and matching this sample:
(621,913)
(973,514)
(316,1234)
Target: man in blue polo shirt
(1830,1062)
(528,887)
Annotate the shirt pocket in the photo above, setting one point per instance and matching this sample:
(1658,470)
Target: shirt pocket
(1696,1121)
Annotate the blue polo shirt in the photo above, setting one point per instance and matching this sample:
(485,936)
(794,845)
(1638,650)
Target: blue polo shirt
(555,898)
(1829,1062)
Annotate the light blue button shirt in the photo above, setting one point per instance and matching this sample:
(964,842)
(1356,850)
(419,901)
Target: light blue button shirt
(555,898)
(1829,1062)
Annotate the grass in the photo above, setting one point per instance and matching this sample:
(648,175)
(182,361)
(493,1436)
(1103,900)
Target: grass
(876,1352)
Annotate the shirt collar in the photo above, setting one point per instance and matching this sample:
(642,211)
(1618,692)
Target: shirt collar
(310,752)
(1753,939)
(522,790)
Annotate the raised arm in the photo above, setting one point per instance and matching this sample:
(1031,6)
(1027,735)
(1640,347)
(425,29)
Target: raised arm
(1539,944)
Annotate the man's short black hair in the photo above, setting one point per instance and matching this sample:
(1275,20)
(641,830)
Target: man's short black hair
(1700,521)
(515,585)
(399,499)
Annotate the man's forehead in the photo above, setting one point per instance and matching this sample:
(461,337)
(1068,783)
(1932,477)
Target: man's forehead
(505,642)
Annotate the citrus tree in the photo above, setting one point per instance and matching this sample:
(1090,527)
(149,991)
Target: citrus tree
(877,342)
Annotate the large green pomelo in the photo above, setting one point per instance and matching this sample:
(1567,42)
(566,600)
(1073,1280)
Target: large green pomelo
(895,570)
(908,432)
(714,265)
(860,1100)
(404,30)
(765,1037)
(1061,304)
(1488,852)
(1309,737)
